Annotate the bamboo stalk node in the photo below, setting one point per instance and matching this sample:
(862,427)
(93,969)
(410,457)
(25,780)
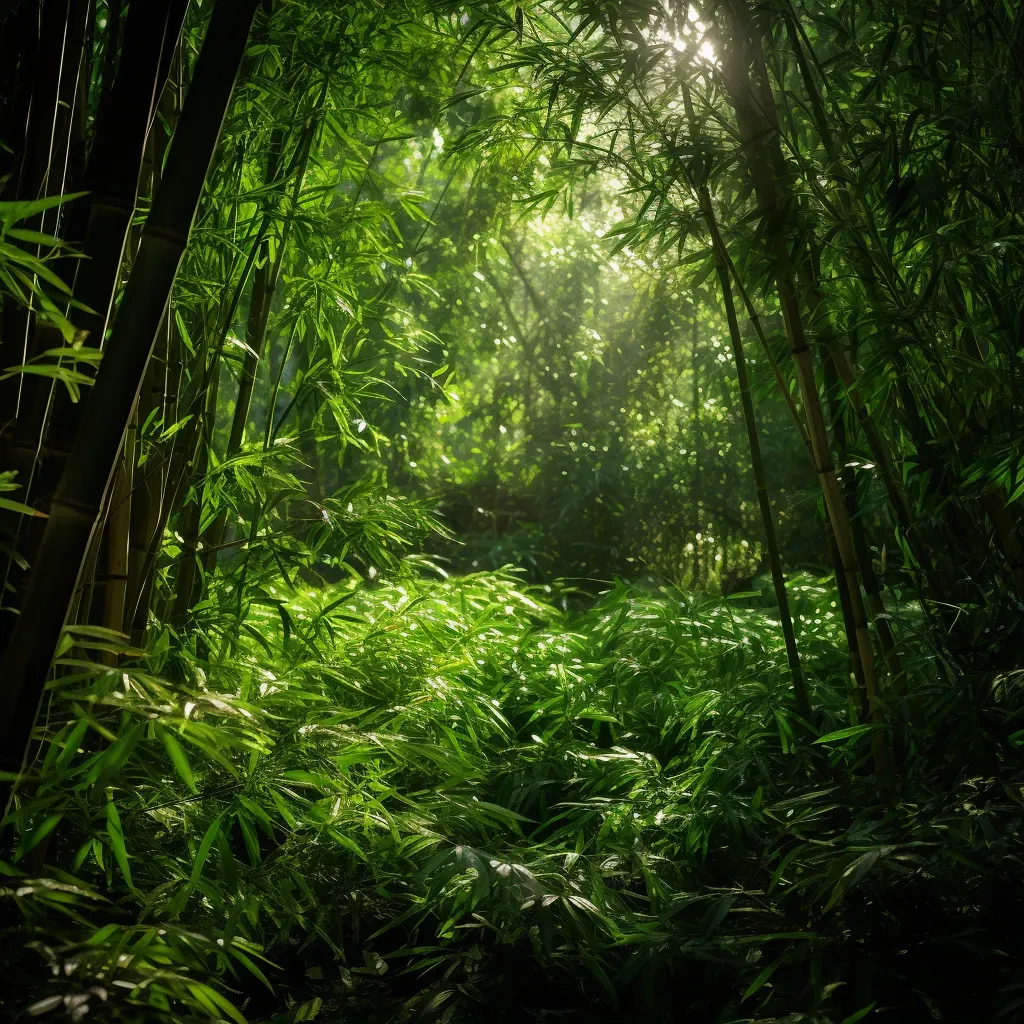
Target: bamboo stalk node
(118,203)
(169,235)
(79,510)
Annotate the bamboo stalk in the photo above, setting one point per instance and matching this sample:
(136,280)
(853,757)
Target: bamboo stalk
(119,519)
(725,269)
(41,169)
(159,397)
(835,360)
(876,444)
(124,512)
(755,322)
(113,41)
(848,483)
(19,58)
(264,288)
(255,334)
(113,175)
(78,503)
(803,701)
(957,525)
(696,484)
(264,284)
(54,84)
(856,672)
(186,584)
(102,218)
(994,503)
(758,126)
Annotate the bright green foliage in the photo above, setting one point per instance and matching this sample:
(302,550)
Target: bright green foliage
(424,664)
(455,783)
(592,423)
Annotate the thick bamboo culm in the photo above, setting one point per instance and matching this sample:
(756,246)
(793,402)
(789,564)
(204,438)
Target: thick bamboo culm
(159,398)
(105,214)
(932,582)
(97,224)
(76,509)
(45,162)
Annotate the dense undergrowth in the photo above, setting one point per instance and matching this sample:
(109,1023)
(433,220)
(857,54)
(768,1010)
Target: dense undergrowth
(301,299)
(451,800)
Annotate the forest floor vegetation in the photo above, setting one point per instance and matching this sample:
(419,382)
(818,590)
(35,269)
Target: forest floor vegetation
(450,800)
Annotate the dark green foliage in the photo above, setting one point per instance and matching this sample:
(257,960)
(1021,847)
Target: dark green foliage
(436,792)
(403,625)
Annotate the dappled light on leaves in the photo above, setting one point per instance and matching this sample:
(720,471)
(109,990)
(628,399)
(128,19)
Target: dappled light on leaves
(511,511)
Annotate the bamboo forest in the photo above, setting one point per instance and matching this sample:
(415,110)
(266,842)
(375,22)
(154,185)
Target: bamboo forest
(511,512)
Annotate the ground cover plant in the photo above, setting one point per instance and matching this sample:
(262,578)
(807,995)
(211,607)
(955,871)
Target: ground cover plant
(511,511)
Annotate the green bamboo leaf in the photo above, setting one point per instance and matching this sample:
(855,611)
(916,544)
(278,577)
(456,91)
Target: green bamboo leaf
(859,1015)
(214,1003)
(209,838)
(852,875)
(252,843)
(32,838)
(112,760)
(178,759)
(228,863)
(852,732)
(25,510)
(71,744)
(308,1010)
(762,978)
(10,212)
(116,835)
(250,966)
(34,237)
(99,937)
